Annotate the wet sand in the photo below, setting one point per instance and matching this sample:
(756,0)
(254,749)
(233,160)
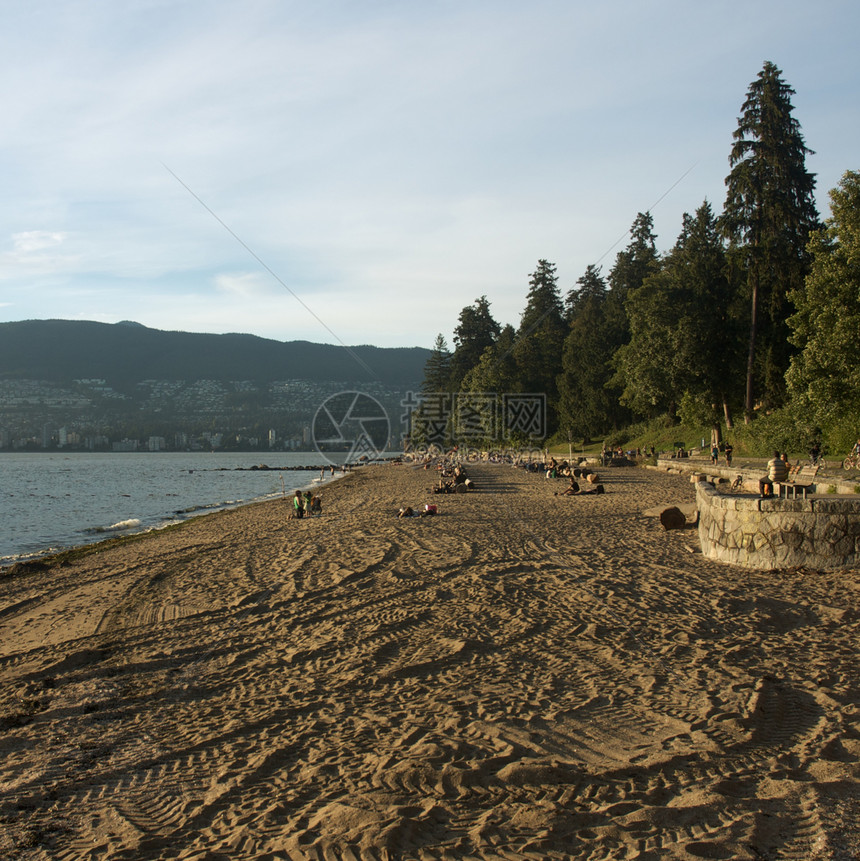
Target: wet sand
(521,676)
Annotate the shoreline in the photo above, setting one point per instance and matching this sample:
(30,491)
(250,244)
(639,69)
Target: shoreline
(167,520)
(522,675)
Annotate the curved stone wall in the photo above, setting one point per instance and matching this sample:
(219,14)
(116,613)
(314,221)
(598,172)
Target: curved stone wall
(778,533)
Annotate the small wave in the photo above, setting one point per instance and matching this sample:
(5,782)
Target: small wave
(132,523)
(207,507)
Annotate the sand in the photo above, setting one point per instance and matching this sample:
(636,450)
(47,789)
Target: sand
(521,676)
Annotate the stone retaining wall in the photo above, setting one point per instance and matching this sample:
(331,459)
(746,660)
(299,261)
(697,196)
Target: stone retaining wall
(778,533)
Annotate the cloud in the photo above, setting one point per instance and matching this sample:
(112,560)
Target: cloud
(245,285)
(36,240)
(389,162)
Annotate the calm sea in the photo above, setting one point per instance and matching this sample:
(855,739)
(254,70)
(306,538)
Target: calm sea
(50,502)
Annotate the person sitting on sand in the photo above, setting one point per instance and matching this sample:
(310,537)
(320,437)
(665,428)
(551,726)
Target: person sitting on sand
(316,506)
(572,489)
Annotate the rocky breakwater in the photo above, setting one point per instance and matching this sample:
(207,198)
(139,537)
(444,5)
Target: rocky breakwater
(817,532)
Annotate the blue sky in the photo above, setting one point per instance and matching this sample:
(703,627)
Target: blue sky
(358,172)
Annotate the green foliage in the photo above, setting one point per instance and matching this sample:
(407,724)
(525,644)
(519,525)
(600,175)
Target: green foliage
(781,429)
(540,337)
(697,410)
(696,333)
(437,370)
(682,341)
(476,330)
(585,405)
(768,216)
(496,370)
(824,378)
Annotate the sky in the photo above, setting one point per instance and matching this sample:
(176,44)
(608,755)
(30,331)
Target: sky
(359,171)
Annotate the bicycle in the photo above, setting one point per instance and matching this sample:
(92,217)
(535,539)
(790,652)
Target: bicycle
(851,462)
(737,484)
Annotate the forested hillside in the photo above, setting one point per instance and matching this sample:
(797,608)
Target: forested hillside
(753,316)
(123,354)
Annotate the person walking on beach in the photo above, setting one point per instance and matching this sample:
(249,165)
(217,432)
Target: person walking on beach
(299,505)
(728,449)
(715,454)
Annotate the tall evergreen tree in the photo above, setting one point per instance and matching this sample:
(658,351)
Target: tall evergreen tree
(476,330)
(585,406)
(590,284)
(768,216)
(632,266)
(537,351)
(437,368)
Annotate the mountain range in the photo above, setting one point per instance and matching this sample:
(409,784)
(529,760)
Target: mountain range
(124,354)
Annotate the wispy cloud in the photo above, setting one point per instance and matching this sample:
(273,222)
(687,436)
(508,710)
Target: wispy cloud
(36,240)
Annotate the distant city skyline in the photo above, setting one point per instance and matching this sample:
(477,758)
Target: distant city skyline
(358,173)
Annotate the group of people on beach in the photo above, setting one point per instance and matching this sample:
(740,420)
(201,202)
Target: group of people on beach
(554,470)
(453,479)
(306,503)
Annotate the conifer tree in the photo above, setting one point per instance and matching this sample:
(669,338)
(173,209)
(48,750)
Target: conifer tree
(681,338)
(768,216)
(585,406)
(476,330)
(632,266)
(540,337)
(437,368)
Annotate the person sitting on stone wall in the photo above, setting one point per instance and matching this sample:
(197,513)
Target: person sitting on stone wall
(776,471)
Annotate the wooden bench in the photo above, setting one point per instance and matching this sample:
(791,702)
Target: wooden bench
(791,489)
(800,482)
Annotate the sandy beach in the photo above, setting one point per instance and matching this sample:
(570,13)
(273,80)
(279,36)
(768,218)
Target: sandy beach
(522,676)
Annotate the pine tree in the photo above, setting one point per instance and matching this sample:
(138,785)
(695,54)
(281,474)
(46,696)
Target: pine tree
(681,339)
(540,337)
(585,406)
(496,370)
(632,266)
(437,369)
(768,216)
(476,330)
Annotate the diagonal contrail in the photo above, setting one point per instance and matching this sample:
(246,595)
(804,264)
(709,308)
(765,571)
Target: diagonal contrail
(274,274)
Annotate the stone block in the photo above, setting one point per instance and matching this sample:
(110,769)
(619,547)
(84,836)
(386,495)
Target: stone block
(837,505)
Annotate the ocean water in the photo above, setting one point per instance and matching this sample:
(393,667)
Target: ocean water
(53,501)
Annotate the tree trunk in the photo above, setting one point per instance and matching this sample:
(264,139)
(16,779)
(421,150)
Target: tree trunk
(748,402)
(727,412)
(716,434)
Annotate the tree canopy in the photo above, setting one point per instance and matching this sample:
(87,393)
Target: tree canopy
(750,306)
(768,216)
(825,375)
